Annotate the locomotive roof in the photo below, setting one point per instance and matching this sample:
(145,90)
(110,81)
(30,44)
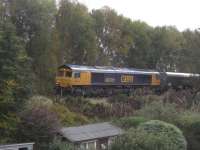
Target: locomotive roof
(108,69)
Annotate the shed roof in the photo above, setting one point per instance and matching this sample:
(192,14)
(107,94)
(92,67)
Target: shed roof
(19,145)
(90,132)
(109,69)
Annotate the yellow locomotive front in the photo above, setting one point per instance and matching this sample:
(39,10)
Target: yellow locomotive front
(67,78)
(64,78)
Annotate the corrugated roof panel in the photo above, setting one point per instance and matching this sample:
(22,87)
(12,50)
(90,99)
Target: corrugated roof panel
(89,132)
(16,146)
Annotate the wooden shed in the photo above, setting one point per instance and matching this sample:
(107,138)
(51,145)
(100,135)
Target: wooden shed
(97,136)
(21,146)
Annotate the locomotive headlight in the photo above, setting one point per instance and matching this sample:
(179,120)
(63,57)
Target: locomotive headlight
(57,84)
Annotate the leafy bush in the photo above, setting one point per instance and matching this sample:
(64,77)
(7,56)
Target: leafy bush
(8,126)
(59,145)
(136,139)
(129,122)
(118,98)
(148,98)
(189,122)
(115,108)
(39,125)
(67,117)
(41,120)
(152,135)
(158,110)
(175,140)
(37,101)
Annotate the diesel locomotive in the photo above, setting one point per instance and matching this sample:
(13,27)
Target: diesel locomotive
(107,80)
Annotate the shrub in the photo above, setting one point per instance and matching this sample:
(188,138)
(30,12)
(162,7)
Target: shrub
(59,145)
(118,98)
(152,135)
(39,125)
(37,101)
(147,99)
(190,125)
(67,117)
(175,140)
(129,122)
(123,107)
(41,120)
(136,139)
(158,110)
(8,125)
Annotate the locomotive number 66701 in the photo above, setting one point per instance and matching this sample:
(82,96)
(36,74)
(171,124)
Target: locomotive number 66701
(127,79)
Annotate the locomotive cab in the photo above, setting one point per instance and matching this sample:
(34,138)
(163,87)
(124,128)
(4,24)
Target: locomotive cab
(63,77)
(68,78)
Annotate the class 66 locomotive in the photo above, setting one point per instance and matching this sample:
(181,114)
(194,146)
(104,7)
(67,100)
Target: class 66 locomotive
(107,80)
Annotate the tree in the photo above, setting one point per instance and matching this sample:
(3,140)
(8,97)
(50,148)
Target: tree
(15,84)
(34,21)
(113,36)
(75,29)
(140,54)
(189,58)
(38,124)
(167,44)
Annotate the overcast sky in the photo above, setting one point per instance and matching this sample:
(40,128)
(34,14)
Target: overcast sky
(181,13)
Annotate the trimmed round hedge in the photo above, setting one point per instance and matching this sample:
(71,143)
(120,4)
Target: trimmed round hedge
(152,135)
(129,122)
